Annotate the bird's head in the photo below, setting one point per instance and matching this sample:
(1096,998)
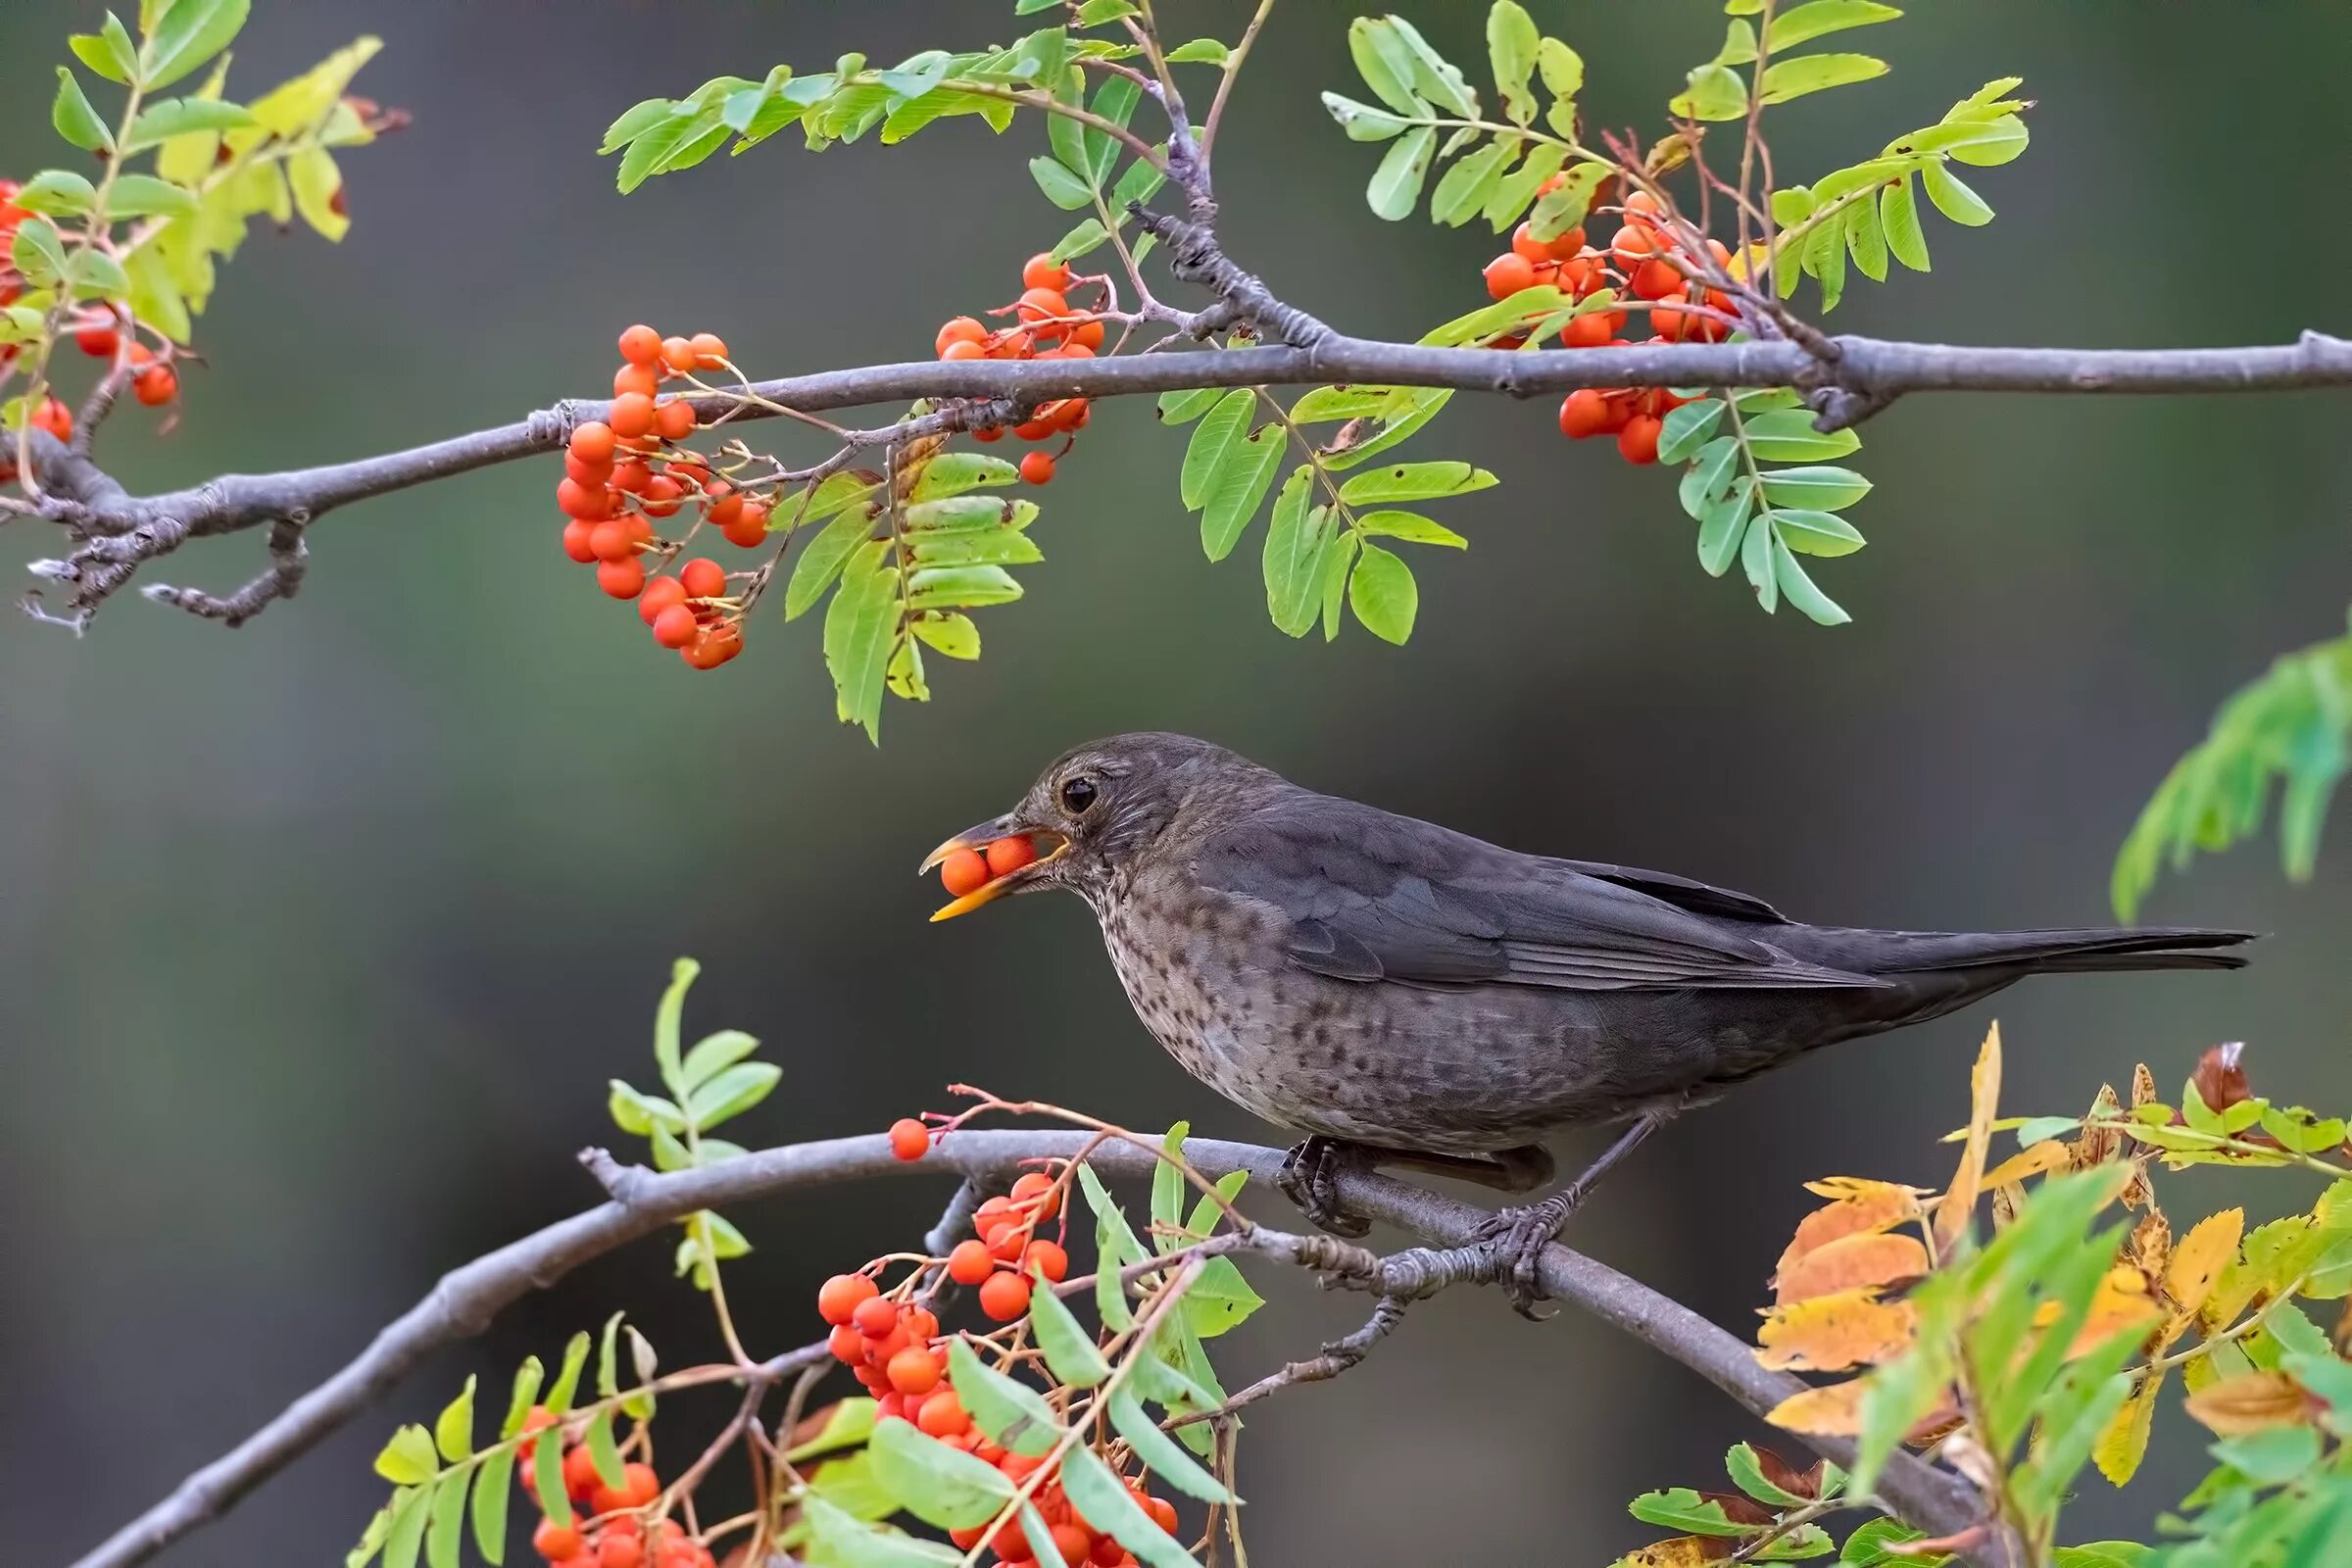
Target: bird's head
(1095,810)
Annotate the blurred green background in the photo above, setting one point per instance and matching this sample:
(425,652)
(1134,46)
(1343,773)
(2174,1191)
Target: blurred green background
(318,941)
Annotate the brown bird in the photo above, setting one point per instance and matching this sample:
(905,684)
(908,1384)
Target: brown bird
(1403,994)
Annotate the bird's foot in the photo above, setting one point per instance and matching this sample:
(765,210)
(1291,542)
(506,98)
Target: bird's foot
(1310,1178)
(1514,1238)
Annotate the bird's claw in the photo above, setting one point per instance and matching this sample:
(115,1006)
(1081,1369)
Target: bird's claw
(1310,1178)
(1513,1240)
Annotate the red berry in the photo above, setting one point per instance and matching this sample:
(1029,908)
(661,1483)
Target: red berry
(578,535)
(909,1139)
(641,345)
(579,1472)
(876,1316)
(1637,442)
(1583,413)
(1162,1512)
(710,351)
(620,1551)
(659,594)
(839,1298)
(1654,279)
(98,342)
(678,354)
(1506,275)
(559,1543)
(1072,1542)
(675,419)
(958,329)
(1046,1259)
(1009,854)
(1004,1297)
(747,528)
(969,1262)
(632,416)
(943,1415)
(622,579)
(1035,1190)
(642,379)
(846,1343)
(704,578)
(676,626)
(1525,244)
(54,417)
(965,870)
(964,347)
(913,1371)
(660,496)
(1036,467)
(594,442)
(1587,331)
(1040,304)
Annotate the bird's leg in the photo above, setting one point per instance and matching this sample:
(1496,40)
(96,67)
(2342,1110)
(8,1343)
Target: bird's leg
(1519,1236)
(1310,1178)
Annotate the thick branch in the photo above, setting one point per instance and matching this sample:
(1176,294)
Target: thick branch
(466,1299)
(1873,371)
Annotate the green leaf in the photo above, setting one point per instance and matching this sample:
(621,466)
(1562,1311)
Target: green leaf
(1805,22)
(602,1452)
(1115,1248)
(445,1529)
(1226,425)
(1462,193)
(1709,477)
(1331,579)
(668,1014)
(1412,527)
(567,1376)
(2272,1456)
(1295,539)
(1239,486)
(1755,559)
(1683,1508)
(184,117)
(949,633)
(1396,187)
(1013,1415)
(1383,594)
(1509,196)
(1219,1298)
(1183,408)
(1688,428)
(822,560)
(547,1475)
(1385,64)
(639,1113)
(1069,1351)
(1103,1500)
(1953,199)
(1563,73)
(1511,44)
(849,1542)
(861,627)
(1746,1470)
(1139,183)
(58,193)
(1198,52)
(733,1092)
(1162,1453)
(525,1392)
(75,118)
(94,274)
(1063,188)
(408,1459)
(491,1485)
(1434,77)
(411,1511)
(713,1054)
(1898,215)
(1167,1189)
(1361,122)
(1815,534)
(453,1432)
(144,195)
(1865,239)
(1809,73)
(1715,93)
(1826,489)
(1799,589)
(850,1424)
(1787,435)
(1415,481)
(1080,240)
(938,1485)
(189,33)
(1415,408)
(109,51)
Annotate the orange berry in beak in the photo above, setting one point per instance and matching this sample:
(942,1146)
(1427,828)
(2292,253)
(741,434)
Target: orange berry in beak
(964,871)
(1007,856)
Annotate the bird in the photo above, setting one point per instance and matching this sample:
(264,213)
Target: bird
(1397,993)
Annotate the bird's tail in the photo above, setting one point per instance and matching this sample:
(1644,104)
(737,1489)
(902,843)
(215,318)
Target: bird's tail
(2073,949)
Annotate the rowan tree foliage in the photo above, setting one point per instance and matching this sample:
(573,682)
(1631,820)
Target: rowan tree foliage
(2005,1333)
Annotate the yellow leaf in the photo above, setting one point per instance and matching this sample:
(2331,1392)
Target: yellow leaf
(1835,1411)
(1683,1551)
(1875,1259)
(2200,1257)
(2125,1441)
(2040,1160)
(1860,1208)
(2121,1305)
(2251,1402)
(1959,1202)
(1832,1333)
(302,102)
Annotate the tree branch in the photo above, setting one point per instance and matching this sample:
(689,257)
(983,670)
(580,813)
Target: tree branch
(466,1299)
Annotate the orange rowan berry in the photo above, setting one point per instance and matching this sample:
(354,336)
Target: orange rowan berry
(674,418)
(839,1298)
(876,1316)
(1040,304)
(1107,1554)
(1637,442)
(559,1543)
(913,1371)
(964,347)
(678,354)
(1654,279)
(1088,335)
(54,417)
(1506,275)
(1046,1259)
(1583,413)
(593,442)
(1009,854)
(676,625)
(704,578)
(710,351)
(747,528)
(1587,331)
(969,1262)
(1162,1512)
(639,378)
(576,499)
(619,1549)
(964,871)
(1524,244)
(659,594)
(957,329)
(1072,1542)
(714,646)
(909,1139)
(578,534)
(622,579)
(1004,1297)
(579,1471)
(641,345)
(661,496)
(943,1415)
(1035,1188)
(1636,242)
(1036,430)
(1041,271)
(1036,467)
(98,342)
(846,1343)
(612,540)
(632,416)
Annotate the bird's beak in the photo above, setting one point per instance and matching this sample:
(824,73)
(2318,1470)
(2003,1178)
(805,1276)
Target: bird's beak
(978,838)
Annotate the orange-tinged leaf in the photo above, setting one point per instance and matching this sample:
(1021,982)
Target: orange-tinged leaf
(2251,1402)
(1880,1258)
(2220,1078)
(2150,1247)
(2040,1160)
(1860,1207)
(1683,1551)
(1959,1202)
(2199,1258)
(2125,1440)
(1835,1411)
(1835,1332)
(2121,1306)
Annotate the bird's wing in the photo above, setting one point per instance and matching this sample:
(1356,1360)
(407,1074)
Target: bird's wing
(1372,895)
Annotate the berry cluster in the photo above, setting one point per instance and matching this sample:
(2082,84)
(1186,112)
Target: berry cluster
(969,870)
(894,1345)
(622,472)
(615,1533)
(1644,259)
(155,383)
(1045,326)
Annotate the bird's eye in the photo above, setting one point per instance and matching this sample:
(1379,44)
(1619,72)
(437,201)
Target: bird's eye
(1077,795)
